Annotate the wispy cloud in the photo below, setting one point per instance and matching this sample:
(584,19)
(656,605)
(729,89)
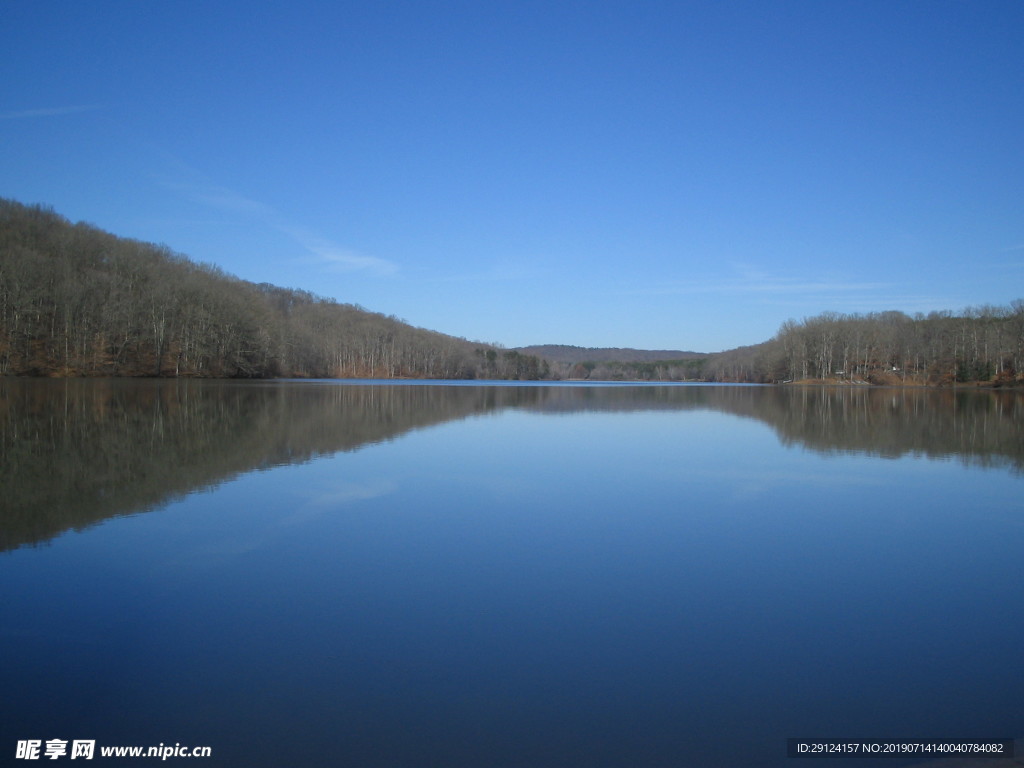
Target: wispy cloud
(340,259)
(224,199)
(747,282)
(330,255)
(26,114)
(824,292)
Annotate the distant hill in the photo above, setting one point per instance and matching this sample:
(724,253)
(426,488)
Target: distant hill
(562,353)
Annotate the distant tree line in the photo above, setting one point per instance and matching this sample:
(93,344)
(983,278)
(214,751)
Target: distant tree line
(619,364)
(689,369)
(75,300)
(980,344)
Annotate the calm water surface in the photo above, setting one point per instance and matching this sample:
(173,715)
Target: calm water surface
(306,573)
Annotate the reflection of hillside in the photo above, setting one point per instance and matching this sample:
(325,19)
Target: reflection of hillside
(75,452)
(984,428)
(981,427)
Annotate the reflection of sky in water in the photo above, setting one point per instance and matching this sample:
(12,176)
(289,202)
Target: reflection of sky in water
(581,589)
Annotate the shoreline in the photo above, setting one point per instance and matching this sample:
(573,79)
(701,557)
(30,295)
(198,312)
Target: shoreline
(1011,385)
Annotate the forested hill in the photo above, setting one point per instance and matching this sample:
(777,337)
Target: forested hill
(75,300)
(561,353)
(982,344)
(618,364)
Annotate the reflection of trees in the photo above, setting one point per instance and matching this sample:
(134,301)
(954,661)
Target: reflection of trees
(979,427)
(982,427)
(74,452)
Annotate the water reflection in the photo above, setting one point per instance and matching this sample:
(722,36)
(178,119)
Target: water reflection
(597,576)
(73,453)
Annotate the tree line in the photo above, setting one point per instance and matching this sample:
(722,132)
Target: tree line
(78,301)
(979,344)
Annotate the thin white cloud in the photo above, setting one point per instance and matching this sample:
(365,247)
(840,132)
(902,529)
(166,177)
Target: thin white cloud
(26,114)
(329,255)
(223,199)
(764,285)
(752,280)
(825,292)
(860,303)
(341,259)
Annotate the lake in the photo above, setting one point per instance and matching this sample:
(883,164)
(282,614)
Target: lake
(464,574)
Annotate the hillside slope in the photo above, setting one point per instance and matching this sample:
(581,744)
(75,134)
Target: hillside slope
(78,301)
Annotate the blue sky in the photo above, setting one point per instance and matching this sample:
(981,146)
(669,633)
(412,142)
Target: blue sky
(682,175)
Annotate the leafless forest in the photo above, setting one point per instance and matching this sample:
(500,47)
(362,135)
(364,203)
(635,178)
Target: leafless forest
(77,301)
(980,344)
